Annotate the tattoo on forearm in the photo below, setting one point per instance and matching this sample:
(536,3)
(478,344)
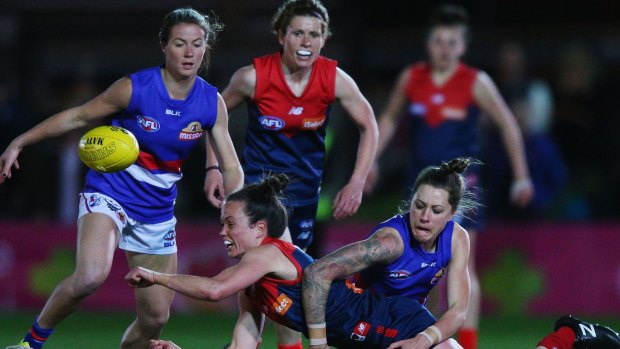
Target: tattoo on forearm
(379,248)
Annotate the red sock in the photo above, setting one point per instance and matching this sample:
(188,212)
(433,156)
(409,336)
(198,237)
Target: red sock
(297,345)
(468,338)
(563,338)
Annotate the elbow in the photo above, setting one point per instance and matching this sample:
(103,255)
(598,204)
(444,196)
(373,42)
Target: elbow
(310,273)
(314,273)
(371,130)
(319,275)
(212,295)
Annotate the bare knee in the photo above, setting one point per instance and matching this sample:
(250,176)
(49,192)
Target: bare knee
(85,283)
(153,321)
(157,321)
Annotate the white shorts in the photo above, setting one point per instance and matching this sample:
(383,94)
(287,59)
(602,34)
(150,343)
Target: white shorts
(158,238)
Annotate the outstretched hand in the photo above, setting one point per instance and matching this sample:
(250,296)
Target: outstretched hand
(162,344)
(417,342)
(140,277)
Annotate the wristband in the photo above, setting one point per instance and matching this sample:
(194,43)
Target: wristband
(216,167)
(437,332)
(318,341)
(317,334)
(428,336)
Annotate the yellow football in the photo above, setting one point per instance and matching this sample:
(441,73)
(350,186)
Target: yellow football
(108,149)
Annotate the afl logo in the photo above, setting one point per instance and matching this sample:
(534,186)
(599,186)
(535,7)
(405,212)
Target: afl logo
(271,123)
(170,235)
(417,109)
(148,124)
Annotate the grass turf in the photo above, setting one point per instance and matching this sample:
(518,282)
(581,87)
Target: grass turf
(213,330)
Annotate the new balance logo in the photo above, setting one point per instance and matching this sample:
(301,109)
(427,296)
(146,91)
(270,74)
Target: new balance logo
(296,111)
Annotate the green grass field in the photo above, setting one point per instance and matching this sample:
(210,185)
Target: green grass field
(212,330)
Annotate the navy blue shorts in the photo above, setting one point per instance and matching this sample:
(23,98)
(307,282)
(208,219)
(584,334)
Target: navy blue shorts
(301,224)
(377,323)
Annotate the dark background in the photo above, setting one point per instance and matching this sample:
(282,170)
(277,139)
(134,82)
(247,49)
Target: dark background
(57,54)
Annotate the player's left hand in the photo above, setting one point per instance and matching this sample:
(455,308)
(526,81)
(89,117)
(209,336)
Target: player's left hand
(161,344)
(214,188)
(140,277)
(347,200)
(521,192)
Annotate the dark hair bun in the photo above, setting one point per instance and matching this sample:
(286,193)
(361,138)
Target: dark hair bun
(277,182)
(457,165)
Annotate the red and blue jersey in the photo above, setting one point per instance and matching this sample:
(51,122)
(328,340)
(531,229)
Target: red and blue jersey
(444,118)
(286,133)
(166,130)
(354,318)
(416,271)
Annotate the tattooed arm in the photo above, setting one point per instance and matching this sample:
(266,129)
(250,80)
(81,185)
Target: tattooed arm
(382,247)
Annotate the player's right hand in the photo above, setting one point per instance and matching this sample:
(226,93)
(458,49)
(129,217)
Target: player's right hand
(8,159)
(140,277)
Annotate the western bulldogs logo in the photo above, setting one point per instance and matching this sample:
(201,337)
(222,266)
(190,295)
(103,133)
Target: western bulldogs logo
(148,124)
(271,123)
(438,275)
(399,274)
(94,200)
(191,132)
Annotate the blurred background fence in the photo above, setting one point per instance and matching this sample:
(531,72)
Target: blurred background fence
(559,255)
